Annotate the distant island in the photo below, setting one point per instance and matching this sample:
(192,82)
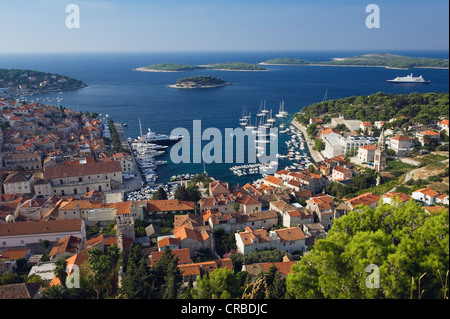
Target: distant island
(22,81)
(199,82)
(370,60)
(177,67)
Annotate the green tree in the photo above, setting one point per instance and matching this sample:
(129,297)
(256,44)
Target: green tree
(236,207)
(181,193)
(60,270)
(401,240)
(169,275)
(137,281)
(214,285)
(160,194)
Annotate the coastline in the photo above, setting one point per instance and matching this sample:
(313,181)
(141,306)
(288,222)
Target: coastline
(143,69)
(315,155)
(176,86)
(359,66)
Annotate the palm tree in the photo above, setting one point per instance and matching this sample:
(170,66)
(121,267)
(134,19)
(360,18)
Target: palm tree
(98,268)
(60,270)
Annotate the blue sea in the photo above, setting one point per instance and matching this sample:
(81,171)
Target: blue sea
(127,96)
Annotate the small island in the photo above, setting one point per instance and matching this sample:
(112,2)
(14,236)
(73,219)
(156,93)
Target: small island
(385,60)
(199,82)
(167,67)
(285,61)
(25,82)
(177,67)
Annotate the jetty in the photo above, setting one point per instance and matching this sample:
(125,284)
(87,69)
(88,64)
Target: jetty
(315,155)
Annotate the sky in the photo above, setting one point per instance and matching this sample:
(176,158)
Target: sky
(225,25)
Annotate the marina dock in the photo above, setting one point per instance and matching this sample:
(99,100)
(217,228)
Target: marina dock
(315,155)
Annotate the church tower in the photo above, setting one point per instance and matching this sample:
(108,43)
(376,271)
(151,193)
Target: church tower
(380,154)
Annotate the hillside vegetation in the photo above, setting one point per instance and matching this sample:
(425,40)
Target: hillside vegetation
(374,60)
(417,107)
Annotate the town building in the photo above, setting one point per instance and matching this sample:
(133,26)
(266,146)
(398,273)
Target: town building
(401,145)
(78,179)
(367,199)
(426,196)
(336,144)
(19,234)
(288,239)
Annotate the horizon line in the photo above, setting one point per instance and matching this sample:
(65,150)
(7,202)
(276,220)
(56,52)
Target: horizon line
(231,51)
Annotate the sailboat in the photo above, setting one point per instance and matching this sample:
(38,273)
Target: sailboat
(249,125)
(325,97)
(282,112)
(271,120)
(243,121)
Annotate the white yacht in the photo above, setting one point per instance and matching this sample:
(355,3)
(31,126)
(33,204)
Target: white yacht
(409,79)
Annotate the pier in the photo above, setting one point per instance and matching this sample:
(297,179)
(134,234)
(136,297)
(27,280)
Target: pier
(315,155)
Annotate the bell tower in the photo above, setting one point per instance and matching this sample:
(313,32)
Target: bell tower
(380,154)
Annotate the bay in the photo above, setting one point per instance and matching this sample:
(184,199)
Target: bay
(127,96)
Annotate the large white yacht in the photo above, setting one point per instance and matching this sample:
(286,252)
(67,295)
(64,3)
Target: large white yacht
(409,79)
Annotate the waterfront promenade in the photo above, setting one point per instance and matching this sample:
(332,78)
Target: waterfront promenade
(316,156)
(135,183)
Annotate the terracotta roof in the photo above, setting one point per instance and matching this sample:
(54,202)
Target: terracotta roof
(273,180)
(77,260)
(294,213)
(371,147)
(444,122)
(266,214)
(290,234)
(47,227)
(429,132)
(427,191)
(168,205)
(184,232)
(282,205)
(401,196)
(216,186)
(183,255)
(68,244)
(14,253)
(20,291)
(435,209)
(61,171)
(364,199)
(168,241)
(15,177)
(401,138)
(190,220)
(205,267)
(342,169)
(249,235)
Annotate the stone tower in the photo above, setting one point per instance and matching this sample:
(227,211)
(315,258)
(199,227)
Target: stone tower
(125,229)
(380,154)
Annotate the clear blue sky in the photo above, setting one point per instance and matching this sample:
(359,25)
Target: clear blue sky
(233,25)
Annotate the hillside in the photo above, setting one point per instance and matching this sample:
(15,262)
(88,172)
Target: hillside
(417,107)
(177,67)
(372,60)
(28,81)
